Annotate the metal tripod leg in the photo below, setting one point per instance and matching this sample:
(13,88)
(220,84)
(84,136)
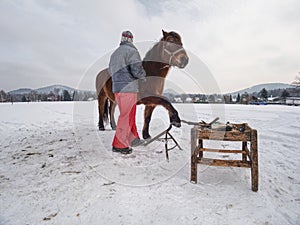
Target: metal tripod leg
(166,138)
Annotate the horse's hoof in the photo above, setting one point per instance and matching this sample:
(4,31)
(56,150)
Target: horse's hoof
(146,137)
(175,120)
(113,126)
(101,128)
(176,124)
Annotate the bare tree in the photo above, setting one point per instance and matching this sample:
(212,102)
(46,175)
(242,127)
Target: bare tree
(297,81)
(2,96)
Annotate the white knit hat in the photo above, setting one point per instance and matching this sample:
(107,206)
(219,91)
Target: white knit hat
(127,36)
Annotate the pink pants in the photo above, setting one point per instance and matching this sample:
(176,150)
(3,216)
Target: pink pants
(126,130)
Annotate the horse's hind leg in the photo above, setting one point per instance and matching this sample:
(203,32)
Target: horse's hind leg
(101,105)
(147,118)
(112,108)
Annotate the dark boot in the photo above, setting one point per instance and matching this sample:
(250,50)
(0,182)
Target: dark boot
(122,150)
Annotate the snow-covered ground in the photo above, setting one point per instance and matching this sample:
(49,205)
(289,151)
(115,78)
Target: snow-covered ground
(57,168)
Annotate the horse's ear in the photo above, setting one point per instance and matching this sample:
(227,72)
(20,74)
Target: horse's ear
(165,34)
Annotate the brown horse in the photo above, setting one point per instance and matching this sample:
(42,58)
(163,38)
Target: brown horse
(157,62)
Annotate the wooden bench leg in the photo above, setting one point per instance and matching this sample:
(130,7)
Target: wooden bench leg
(194,154)
(244,146)
(254,163)
(200,153)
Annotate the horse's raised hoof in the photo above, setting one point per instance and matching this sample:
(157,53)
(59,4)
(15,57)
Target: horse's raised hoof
(176,124)
(175,120)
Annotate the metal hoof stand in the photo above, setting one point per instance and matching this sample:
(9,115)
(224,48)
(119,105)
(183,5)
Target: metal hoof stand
(242,133)
(166,138)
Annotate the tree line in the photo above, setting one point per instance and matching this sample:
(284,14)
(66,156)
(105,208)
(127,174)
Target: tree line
(34,96)
(241,98)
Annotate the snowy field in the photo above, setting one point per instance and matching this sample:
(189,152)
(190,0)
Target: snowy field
(57,168)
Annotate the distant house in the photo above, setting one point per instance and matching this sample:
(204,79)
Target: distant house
(276,100)
(218,100)
(292,101)
(196,100)
(178,100)
(52,98)
(273,99)
(188,100)
(234,98)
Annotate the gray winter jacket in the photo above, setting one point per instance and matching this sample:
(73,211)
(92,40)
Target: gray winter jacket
(125,67)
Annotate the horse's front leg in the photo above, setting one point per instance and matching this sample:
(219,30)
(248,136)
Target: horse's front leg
(112,108)
(147,118)
(155,100)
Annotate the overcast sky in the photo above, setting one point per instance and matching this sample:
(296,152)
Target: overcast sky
(242,42)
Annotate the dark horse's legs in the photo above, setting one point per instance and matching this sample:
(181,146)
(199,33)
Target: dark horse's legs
(150,103)
(147,117)
(101,108)
(104,110)
(112,107)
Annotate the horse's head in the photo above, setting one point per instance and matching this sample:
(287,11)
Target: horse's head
(173,52)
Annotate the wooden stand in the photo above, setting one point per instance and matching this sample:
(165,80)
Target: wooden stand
(249,157)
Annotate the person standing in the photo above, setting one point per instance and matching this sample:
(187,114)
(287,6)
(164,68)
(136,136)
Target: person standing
(125,68)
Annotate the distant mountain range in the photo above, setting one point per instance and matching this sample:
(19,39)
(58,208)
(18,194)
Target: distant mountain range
(46,90)
(168,92)
(51,93)
(259,87)
(256,88)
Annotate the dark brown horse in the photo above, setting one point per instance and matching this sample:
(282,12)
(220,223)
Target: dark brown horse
(157,62)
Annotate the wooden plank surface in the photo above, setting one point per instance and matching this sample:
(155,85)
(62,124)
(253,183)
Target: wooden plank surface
(222,150)
(225,136)
(225,163)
